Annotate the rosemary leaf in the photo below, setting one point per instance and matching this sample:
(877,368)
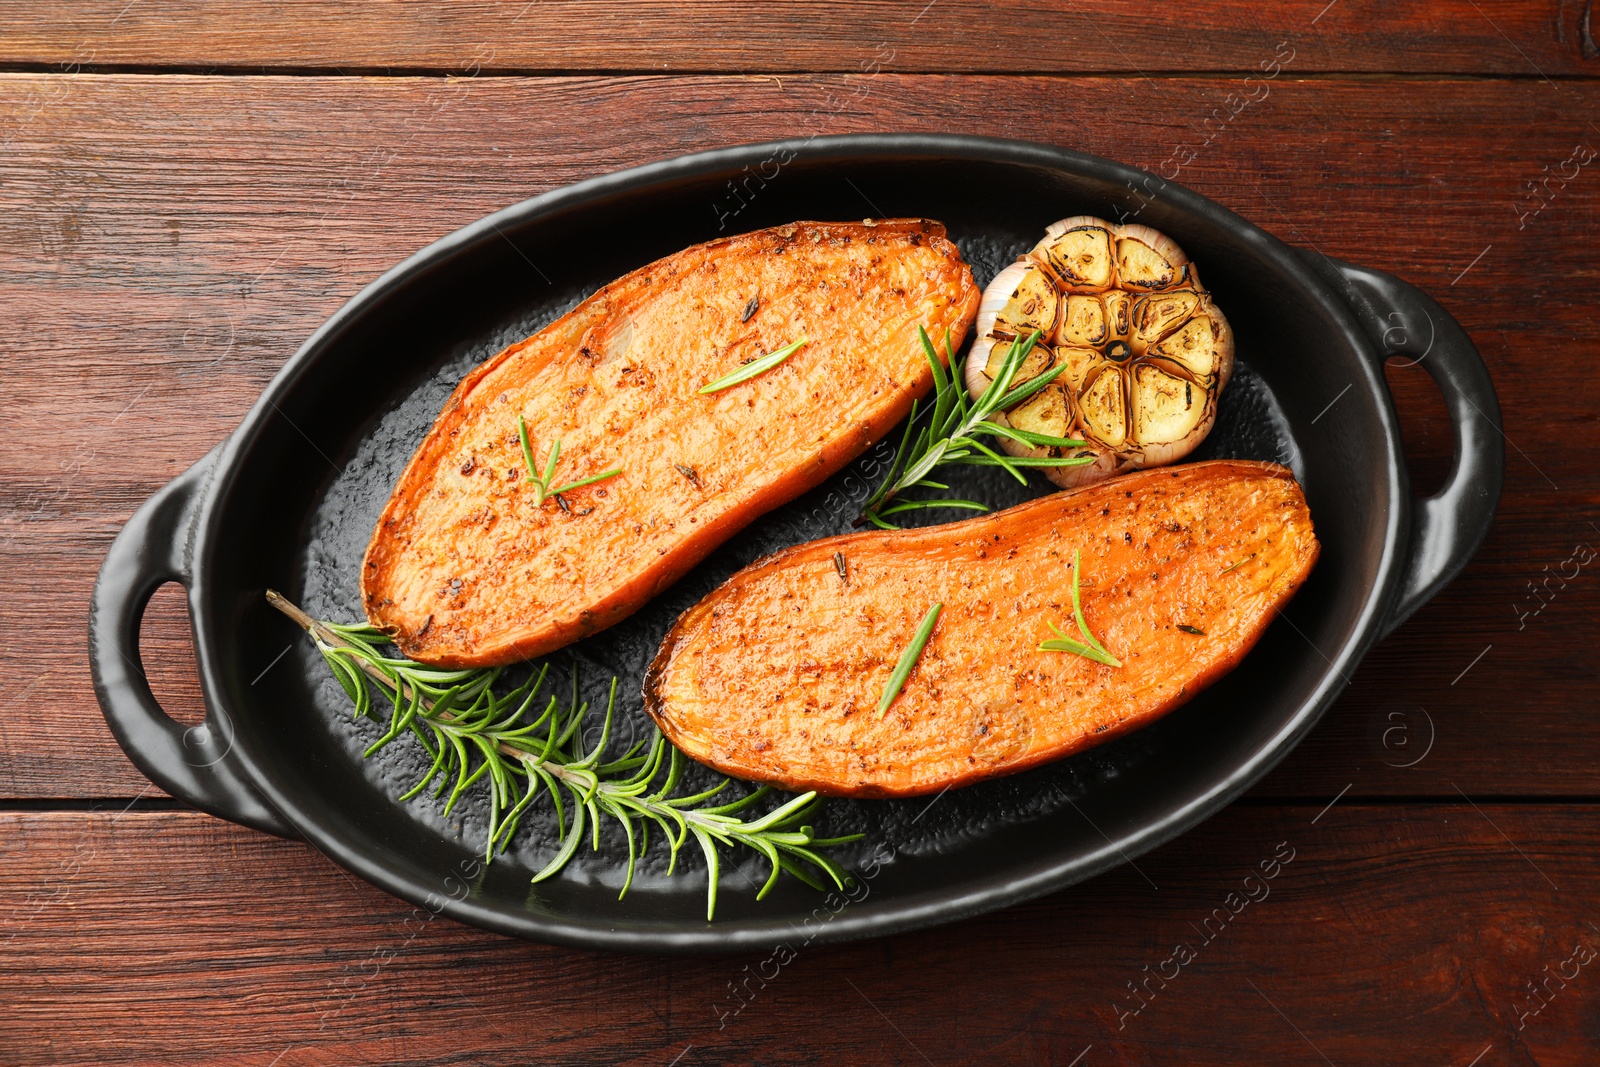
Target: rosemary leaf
(908,660)
(1021,461)
(879,518)
(1031,386)
(753,368)
(527,450)
(1063,643)
(917,505)
(1027,437)
(581,482)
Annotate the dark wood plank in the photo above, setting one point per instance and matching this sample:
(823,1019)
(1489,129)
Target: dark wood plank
(172,937)
(166,242)
(1456,36)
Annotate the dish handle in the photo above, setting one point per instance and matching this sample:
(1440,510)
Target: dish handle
(1448,527)
(191,763)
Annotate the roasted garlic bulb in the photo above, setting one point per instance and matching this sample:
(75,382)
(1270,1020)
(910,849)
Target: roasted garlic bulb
(1146,351)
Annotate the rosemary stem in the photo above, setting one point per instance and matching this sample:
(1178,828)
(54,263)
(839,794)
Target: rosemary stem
(301,619)
(327,636)
(554,768)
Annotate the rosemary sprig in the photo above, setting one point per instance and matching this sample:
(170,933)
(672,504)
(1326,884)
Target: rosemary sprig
(753,368)
(522,748)
(908,659)
(1094,649)
(951,433)
(541,482)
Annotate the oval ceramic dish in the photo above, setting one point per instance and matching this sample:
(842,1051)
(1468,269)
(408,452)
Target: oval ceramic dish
(289,500)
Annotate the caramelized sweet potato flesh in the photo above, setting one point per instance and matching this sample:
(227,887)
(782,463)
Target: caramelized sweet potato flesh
(775,676)
(468,570)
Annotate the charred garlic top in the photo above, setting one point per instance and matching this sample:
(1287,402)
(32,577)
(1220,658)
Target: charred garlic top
(1146,350)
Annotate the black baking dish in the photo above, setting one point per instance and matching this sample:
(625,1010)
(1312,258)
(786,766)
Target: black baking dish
(289,499)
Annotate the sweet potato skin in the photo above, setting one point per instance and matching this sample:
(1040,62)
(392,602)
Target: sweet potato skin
(775,676)
(467,571)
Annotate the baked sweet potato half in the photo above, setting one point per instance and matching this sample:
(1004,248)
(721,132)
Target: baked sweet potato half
(473,564)
(776,676)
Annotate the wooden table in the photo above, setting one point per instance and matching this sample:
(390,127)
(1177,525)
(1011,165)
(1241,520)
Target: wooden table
(184,197)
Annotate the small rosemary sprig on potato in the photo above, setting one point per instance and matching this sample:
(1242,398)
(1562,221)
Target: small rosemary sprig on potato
(1094,650)
(541,482)
(522,748)
(951,434)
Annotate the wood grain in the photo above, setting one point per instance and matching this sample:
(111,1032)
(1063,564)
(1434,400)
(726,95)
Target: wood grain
(1516,37)
(166,243)
(171,937)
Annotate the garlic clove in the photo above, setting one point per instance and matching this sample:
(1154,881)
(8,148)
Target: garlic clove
(1029,305)
(1193,346)
(1104,410)
(1156,314)
(1078,252)
(1084,322)
(1079,361)
(1142,266)
(1166,408)
(1148,258)
(1222,347)
(1048,411)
